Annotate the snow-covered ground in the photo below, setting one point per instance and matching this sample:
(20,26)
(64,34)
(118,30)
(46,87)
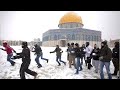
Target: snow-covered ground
(49,70)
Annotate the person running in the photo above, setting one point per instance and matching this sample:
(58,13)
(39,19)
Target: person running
(58,55)
(38,52)
(25,55)
(78,55)
(9,50)
(105,58)
(95,56)
(83,53)
(115,58)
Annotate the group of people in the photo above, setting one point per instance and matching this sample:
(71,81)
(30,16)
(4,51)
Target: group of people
(100,57)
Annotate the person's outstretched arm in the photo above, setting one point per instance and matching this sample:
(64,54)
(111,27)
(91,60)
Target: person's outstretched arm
(53,51)
(2,49)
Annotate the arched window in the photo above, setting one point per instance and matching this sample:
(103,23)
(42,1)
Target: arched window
(49,37)
(99,39)
(83,38)
(73,37)
(55,37)
(69,37)
(58,37)
(86,37)
(94,38)
(77,36)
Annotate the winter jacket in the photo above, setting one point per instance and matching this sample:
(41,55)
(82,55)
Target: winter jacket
(88,51)
(78,52)
(115,53)
(9,50)
(95,54)
(82,50)
(58,51)
(25,55)
(106,53)
(71,51)
(37,50)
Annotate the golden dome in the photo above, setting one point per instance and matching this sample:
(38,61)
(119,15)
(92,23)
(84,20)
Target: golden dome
(70,17)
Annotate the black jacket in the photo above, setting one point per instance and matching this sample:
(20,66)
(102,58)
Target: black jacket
(95,51)
(106,53)
(25,55)
(115,53)
(71,51)
(58,51)
(82,50)
(37,50)
(78,52)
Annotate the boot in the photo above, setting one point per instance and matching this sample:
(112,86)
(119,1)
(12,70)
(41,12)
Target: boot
(35,76)
(86,62)
(39,66)
(89,66)
(77,72)
(47,60)
(59,65)
(13,63)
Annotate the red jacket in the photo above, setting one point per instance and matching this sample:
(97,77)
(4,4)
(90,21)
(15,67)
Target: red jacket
(8,49)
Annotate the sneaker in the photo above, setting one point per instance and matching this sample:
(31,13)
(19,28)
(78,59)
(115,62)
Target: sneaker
(59,65)
(39,66)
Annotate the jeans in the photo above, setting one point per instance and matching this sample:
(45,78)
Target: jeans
(24,68)
(9,58)
(37,60)
(96,65)
(82,57)
(59,58)
(42,57)
(107,65)
(78,65)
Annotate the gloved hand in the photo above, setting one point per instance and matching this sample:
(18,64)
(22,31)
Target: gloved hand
(1,48)
(15,52)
